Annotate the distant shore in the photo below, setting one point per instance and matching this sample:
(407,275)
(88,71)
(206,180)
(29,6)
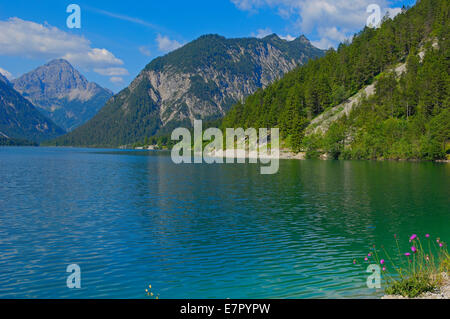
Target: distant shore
(284,154)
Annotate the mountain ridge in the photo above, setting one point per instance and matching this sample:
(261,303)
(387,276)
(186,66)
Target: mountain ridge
(62,93)
(20,120)
(4,79)
(200,80)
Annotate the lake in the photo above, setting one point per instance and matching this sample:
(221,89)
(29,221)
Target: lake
(133,218)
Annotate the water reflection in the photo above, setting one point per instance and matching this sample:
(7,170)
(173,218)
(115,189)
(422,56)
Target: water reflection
(203,231)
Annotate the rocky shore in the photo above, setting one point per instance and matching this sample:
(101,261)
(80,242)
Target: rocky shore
(442,292)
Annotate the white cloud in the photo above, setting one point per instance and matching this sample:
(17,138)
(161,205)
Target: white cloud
(261,33)
(93,58)
(20,37)
(393,12)
(166,45)
(111,71)
(339,19)
(287,37)
(249,5)
(127,18)
(43,41)
(145,50)
(6,74)
(116,80)
(329,37)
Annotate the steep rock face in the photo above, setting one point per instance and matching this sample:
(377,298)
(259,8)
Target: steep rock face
(62,93)
(321,123)
(19,119)
(201,80)
(4,79)
(207,76)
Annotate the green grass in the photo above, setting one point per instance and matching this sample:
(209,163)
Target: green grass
(445,265)
(415,271)
(413,286)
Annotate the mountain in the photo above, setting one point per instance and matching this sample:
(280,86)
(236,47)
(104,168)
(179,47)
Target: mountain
(385,95)
(62,94)
(20,120)
(200,80)
(4,79)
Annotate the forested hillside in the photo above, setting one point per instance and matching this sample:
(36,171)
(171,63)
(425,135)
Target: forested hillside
(408,116)
(20,122)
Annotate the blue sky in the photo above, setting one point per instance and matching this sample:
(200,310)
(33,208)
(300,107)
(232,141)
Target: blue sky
(118,38)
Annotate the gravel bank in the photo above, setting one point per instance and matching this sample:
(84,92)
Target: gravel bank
(441,293)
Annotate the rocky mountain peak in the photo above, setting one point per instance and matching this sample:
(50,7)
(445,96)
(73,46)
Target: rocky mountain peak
(55,77)
(303,39)
(4,79)
(271,36)
(62,93)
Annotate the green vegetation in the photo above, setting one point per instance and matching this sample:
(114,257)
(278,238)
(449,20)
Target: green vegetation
(159,142)
(164,141)
(15,142)
(414,272)
(83,110)
(422,271)
(21,121)
(213,49)
(408,116)
(116,125)
(412,286)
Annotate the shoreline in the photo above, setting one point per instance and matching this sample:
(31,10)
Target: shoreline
(442,292)
(287,154)
(284,154)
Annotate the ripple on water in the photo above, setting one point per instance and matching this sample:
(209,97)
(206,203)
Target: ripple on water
(198,231)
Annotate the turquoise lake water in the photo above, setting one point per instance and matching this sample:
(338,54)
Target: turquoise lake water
(133,218)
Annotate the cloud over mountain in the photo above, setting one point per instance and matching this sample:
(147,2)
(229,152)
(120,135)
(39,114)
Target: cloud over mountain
(334,20)
(33,40)
(6,74)
(166,45)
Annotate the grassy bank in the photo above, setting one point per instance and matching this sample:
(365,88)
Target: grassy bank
(423,268)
